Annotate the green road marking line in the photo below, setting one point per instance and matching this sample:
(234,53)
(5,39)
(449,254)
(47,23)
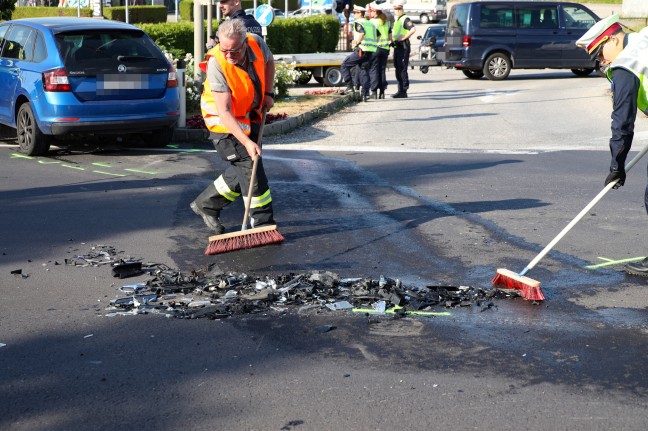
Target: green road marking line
(74,167)
(20,156)
(173,146)
(109,173)
(393,311)
(46,162)
(103,165)
(609,262)
(141,171)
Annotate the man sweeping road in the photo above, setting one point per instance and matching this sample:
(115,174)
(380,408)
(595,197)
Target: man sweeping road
(240,77)
(626,56)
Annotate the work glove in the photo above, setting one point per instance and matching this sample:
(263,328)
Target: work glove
(614,175)
(392,44)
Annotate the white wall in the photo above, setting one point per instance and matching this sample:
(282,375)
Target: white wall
(634,8)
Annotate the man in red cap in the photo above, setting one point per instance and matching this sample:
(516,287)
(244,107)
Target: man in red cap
(626,58)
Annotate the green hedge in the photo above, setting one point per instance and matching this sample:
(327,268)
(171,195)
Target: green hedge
(285,36)
(139,14)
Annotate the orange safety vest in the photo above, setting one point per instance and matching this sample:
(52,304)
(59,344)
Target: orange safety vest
(241,88)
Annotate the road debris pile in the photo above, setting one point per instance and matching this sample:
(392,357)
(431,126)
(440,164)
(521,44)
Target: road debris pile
(201,293)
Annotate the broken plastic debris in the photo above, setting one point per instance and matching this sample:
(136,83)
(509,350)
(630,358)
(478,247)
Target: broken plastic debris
(340,305)
(132,288)
(379,306)
(127,269)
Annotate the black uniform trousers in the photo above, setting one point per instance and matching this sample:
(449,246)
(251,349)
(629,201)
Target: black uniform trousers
(364,62)
(236,178)
(401,63)
(379,70)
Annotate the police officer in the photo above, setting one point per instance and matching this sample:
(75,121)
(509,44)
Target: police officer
(240,76)
(364,46)
(403,30)
(379,61)
(231,9)
(626,56)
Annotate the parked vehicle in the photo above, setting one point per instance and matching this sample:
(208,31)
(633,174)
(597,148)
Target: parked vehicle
(64,77)
(426,11)
(489,38)
(431,44)
(278,13)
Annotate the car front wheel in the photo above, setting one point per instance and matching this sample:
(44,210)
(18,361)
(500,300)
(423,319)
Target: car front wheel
(30,138)
(497,67)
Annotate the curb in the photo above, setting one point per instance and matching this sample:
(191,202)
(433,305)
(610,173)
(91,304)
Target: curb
(183,134)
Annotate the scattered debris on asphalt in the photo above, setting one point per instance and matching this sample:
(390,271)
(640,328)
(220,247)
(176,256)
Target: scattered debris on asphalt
(198,294)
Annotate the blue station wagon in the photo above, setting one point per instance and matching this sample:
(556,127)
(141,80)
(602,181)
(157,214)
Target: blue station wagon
(489,38)
(75,77)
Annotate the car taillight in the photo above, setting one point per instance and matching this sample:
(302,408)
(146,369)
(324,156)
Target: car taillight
(56,80)
(172,78)
(466,41)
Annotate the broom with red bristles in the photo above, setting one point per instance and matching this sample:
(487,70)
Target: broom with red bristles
(246,238)
(531,289)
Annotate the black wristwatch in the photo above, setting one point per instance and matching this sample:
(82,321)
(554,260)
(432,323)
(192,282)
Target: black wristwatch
(270,94)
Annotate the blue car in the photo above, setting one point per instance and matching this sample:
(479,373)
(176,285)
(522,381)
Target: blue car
(79,77)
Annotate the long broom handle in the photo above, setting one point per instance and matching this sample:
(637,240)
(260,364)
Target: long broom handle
(580,215)
(248,200)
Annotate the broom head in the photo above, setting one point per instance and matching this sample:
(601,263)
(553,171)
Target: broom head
(248,238)
(529,287)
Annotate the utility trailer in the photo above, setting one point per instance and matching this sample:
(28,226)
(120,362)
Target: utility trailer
(325,66)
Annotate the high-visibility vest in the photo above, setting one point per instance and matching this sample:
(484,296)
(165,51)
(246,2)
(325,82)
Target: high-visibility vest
(398,30)
(369,42)
(241,88)
(634,58)
(382,27)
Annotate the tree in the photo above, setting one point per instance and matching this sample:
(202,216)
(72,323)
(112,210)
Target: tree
(6,9)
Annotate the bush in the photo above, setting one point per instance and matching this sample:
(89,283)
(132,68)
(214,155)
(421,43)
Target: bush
(6,9)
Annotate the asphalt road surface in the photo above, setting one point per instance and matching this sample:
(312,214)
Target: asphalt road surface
(444,187)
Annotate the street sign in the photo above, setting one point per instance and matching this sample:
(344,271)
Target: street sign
(264,14)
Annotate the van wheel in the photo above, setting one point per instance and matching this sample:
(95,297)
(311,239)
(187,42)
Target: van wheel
(473,74)
(497,67)
(332,77)
(30,138)
(582,72)
(424,69)
(424,18)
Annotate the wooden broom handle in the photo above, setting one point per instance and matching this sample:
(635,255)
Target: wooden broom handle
(248,200)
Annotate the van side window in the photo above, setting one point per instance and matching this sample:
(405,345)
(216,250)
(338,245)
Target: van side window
(537,16)
(576,17)
(496,16)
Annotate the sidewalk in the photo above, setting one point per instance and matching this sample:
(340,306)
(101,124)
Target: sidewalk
(184,135)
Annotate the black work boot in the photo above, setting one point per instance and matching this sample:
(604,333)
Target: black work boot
(637,268)
(401,95)
(212,222)
(381,94)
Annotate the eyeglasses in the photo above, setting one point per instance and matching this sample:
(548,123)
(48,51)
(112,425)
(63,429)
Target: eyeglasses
(233,51)
(601,46)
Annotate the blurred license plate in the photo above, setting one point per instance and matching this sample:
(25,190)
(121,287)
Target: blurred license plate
(110,83)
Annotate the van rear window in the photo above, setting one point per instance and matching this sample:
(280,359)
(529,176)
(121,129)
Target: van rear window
(496,16)
(458,17)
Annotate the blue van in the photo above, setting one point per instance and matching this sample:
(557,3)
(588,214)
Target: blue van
(489,38)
